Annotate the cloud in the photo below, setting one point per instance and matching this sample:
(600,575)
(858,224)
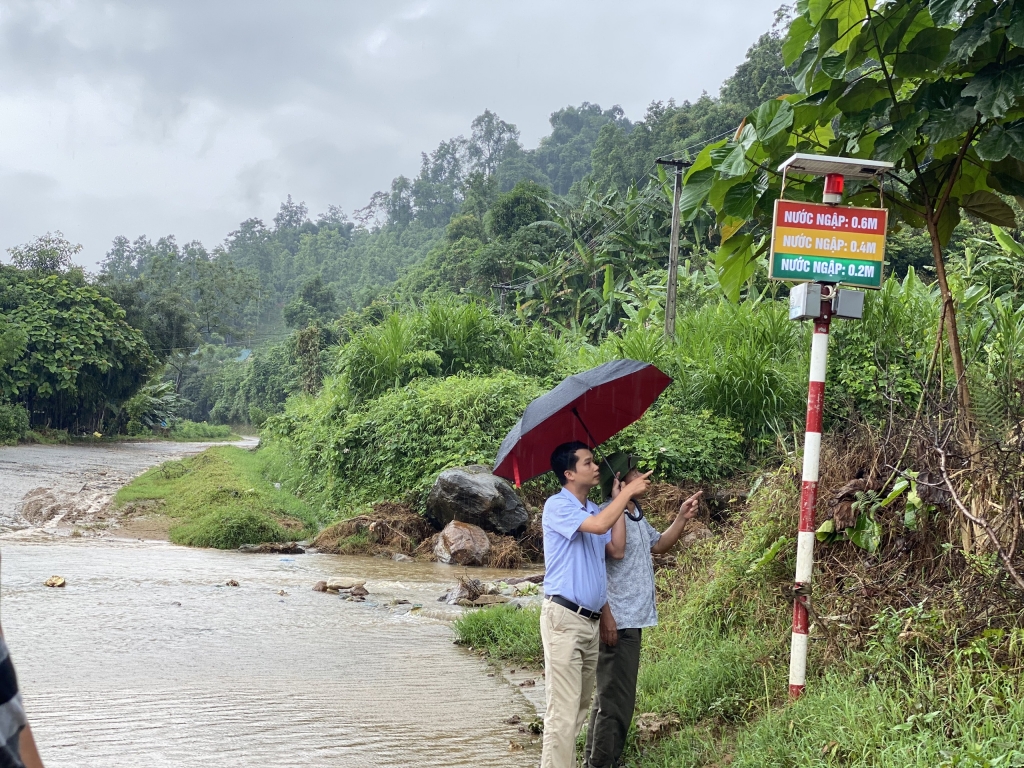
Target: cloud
(187,117)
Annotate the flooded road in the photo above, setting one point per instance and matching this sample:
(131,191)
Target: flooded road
(146,658)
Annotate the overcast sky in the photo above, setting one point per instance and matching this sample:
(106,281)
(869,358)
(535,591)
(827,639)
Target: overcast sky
(185,118)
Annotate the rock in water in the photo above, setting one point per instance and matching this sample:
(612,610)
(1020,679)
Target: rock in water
(473,495)
(320,586)
(276,548)
(462,544)
(490,600)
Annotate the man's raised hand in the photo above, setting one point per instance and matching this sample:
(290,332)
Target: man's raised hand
(638,485)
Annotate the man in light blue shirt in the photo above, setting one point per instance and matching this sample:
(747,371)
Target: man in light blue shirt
(576,534)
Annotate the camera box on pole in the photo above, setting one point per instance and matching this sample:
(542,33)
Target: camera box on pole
(805,301)
(848,305)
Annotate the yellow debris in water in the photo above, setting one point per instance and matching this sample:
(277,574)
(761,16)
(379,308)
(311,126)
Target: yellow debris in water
(55,581)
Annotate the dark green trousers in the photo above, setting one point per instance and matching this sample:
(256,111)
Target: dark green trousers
(614,699)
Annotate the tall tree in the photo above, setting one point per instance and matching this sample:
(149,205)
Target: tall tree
(49,253)
(490,139)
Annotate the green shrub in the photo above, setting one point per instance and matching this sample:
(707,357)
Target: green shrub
(229,528)
(190,430)
(14,422)
(395,445)
(683,446)
(503,632)
(134,427)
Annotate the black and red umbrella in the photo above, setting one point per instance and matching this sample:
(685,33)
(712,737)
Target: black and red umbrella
(590,407)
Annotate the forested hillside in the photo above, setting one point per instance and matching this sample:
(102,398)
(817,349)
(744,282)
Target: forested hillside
(230,327)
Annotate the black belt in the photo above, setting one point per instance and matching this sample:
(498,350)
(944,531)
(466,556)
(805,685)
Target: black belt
(577,609)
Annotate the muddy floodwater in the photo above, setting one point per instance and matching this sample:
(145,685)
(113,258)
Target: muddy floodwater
(147,658)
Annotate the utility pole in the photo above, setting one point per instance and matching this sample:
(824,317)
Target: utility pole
(673,248)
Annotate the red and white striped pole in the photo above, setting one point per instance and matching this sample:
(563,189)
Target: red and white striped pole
(809,496)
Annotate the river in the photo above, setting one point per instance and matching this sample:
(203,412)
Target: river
(148,658)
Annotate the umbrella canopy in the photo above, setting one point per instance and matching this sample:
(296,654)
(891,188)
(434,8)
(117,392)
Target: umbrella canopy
(590,407)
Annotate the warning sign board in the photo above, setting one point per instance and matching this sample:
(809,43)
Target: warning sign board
(828,243)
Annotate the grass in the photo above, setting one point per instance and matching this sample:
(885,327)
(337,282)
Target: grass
(719,661)
(188,431)
(503,633)
(221,498)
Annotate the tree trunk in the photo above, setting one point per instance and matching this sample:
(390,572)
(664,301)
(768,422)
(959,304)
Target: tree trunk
(952,334)
(968,534)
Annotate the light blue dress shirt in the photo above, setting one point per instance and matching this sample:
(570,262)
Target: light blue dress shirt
(573,561)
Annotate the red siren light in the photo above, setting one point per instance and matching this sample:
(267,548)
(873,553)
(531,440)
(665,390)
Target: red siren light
(833,188)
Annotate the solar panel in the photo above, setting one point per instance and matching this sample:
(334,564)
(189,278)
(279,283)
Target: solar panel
(849,167)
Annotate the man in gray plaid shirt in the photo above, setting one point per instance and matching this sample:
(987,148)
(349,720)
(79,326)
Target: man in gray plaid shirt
(631,600)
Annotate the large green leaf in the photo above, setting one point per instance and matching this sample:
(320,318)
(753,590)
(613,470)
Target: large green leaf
(834,66)
(1015,31)
(733,162)
(771,118)
(695,191)
(925,53)
(828,34)
(947,221)
(891,146)
(945,11)
(800,33)
(863,95)
(867,533)
(1008,244)
(736,262)
(849,16)
(817,9)
(740,200)
(967,41)
(1007,176)
(804,67)
(996,88)
(989,207)
(1002,141)
(719,189)
(703,159)
(951,123)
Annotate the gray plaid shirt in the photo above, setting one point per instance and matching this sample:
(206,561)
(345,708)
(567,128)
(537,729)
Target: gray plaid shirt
(631,579)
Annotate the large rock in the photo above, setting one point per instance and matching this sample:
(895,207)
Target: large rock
(473,495)
(462,544)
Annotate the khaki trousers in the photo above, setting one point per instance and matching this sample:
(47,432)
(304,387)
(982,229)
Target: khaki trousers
(570,670)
